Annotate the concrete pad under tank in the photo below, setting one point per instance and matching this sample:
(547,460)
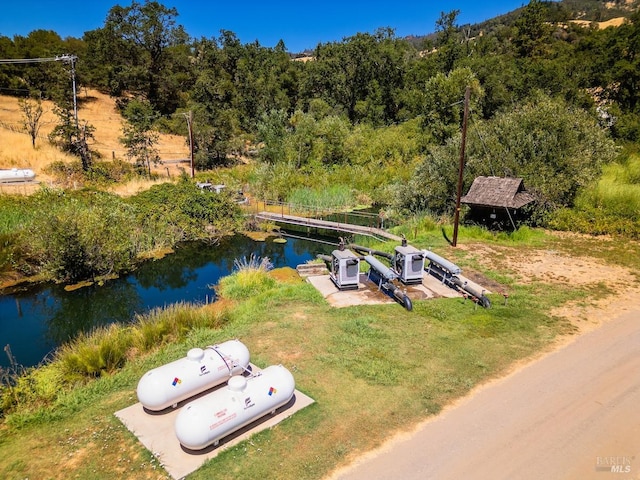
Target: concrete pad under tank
(155,430)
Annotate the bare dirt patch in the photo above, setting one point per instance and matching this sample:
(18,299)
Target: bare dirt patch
(614,289)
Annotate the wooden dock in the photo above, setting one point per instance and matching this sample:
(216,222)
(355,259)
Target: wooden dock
(279,218)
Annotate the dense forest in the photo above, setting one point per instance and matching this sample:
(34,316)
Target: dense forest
(377,114)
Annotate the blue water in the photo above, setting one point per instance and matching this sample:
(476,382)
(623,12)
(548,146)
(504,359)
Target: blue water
(34,322)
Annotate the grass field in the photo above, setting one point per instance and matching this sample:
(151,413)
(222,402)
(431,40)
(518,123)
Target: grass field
(373,371)
(96,109)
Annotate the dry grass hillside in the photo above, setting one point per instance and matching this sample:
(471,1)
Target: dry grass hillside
(98,110)
(614,22)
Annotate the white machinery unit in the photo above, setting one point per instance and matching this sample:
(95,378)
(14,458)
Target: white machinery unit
(17,175)
(209,419)
(200,370)
(408,263)
(345,269)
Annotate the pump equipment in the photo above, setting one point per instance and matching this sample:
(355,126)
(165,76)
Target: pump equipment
(345,269)
(408,263)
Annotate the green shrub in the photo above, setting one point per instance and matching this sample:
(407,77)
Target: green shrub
(79,235)
(106,173)
(75,235)
(171,213)
(609,206)
(34,388)
(12,213)
(593,221)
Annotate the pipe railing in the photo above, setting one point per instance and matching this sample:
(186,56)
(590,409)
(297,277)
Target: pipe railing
(365,219)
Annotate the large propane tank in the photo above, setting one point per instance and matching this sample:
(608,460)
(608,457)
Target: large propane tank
(200,370)
(208,419)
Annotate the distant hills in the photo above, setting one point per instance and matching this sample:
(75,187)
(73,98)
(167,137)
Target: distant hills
(562,11)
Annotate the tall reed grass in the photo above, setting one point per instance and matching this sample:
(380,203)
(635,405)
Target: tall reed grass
(610,206)
(103,351)
(250,278)
(333,197)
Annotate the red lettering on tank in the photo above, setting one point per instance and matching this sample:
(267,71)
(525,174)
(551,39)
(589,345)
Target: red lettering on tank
(222,422)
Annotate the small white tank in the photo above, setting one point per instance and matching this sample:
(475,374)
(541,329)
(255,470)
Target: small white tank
(200,370)
(17,175)
(209,419)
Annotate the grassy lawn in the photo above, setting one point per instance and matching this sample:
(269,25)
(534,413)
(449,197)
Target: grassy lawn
(373,371)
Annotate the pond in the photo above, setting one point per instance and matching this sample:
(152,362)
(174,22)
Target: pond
(36,321)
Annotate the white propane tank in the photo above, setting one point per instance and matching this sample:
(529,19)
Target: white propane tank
(17,175)
(200,370)
(207,420)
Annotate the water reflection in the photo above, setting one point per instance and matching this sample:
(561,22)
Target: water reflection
(87,308)
(34,322)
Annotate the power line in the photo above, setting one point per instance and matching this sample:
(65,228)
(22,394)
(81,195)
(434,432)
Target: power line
(59,58)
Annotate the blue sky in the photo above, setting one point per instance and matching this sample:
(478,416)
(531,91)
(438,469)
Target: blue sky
(300,24)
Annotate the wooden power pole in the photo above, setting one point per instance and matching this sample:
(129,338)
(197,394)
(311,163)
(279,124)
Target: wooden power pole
(467,95)
(189,117)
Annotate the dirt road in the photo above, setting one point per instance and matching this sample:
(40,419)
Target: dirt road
(573,414)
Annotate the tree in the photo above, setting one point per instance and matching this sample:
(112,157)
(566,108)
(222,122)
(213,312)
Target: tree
(139,138)
(140,45)
(443,93)
(272,131)
(555,147)
(625,85)
(69,135)
(448,47)
(532,29)
(46,76)
(361,77)
(32,113)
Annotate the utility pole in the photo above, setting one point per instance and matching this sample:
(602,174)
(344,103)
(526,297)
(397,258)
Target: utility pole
(60,58)
(72,61)
(467,95)
(81,142)
(189,117)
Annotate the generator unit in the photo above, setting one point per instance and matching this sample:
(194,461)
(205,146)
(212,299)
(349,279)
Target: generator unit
(345,269)
(408,263)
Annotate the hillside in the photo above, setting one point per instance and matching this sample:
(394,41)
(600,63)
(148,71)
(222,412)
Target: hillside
(603,14)
(96,109)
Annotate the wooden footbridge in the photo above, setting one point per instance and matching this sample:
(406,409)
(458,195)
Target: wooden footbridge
(281,218)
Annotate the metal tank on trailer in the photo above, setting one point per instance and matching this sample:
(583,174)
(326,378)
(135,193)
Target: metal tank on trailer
(441,267)
(384,277)
(200,370)
(209,419)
